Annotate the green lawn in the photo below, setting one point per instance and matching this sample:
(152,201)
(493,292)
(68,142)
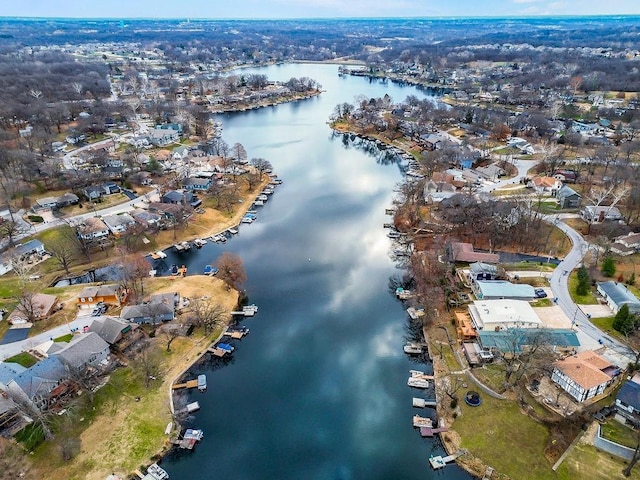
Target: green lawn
(64,338)
(492,375)
(616,432)
(606,325)
(501,436)
(586,462)
(25,359)
(588,299)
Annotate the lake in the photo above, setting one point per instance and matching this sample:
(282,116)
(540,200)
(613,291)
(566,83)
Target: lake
(318,389)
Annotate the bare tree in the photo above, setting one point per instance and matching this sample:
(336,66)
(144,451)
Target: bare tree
(206,314)
(261,165)
(231,270)
(63,252)
(135,269)
(148,363)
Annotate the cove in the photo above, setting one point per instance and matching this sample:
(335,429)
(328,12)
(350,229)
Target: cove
(318,389)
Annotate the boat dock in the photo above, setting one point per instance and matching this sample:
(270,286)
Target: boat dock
(247,311)
(420,374)
(190,408)
(189,439)
(420,422)
(221,349)
(158,255)
(430,431)
(187,384)
(422,403)
(236,332)
(439,461)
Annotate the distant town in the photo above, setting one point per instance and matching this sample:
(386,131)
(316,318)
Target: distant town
(516,229)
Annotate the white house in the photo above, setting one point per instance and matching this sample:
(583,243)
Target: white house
(93,228)
(583,376)
(118,224)
(616,295)
(600,213)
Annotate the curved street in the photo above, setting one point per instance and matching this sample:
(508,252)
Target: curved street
(559,285)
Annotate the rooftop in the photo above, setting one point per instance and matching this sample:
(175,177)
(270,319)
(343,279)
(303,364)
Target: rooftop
(503,289)
(496,312)
(585,369)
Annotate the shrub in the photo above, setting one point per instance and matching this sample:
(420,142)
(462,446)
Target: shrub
(35,218)
(608,266)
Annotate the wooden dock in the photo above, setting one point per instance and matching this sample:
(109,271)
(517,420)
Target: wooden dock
(420,374)
(217,352)
(187,384)
(430,432)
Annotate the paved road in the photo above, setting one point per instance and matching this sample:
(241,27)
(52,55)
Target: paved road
(14,348)
(559,286)
(523,167)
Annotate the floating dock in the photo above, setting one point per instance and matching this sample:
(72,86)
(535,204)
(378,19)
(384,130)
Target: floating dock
(430,432)
(236,332)
(247,311)
(439,461)
(221,349)
(158,255)
(420,374)
(190,438)
(422,403)
(420,422)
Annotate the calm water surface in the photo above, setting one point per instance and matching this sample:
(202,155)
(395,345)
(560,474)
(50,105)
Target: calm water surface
(318,389)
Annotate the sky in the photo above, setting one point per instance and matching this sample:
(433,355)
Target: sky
(224,9)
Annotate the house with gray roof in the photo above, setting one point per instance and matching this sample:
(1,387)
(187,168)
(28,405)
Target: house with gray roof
(628,402)
(9,371)
(118,224)
(110,329)
(151,313)
(617,294)
(568,197)
(501,289)
(34,385)
(86,350)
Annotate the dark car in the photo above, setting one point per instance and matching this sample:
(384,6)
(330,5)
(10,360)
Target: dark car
(99,309)
(540,293)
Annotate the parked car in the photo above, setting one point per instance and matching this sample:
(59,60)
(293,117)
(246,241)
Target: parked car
(99,309)
(540,293)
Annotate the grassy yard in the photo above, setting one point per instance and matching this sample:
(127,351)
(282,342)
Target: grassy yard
(501,436)
(586,462)
(588,299)
(492,375)
(606,325)
(616,432)
(23,358)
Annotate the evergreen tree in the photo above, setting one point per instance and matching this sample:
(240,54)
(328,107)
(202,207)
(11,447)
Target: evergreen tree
(625,321)
(583,281)
(608,266)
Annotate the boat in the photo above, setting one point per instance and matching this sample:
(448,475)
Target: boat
(258,203)
(226,347)
(199,242)
(178,247)
(157,472)
(412,348)
(417,382)
(263,197)
(415,313)
(158,255)
(394,234)
(232,231)
(202,382)
(191,436)
(247,220)
(209,270)
(419,421)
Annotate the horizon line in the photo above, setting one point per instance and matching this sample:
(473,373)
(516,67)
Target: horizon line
(439,17)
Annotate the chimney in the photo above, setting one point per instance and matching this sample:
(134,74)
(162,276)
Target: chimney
(601,216)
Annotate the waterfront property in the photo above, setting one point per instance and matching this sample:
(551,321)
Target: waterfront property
(584,375)
(500,314)
(501,289)
(111,294)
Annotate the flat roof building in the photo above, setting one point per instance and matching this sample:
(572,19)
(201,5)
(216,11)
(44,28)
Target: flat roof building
(501,314)
(501,289)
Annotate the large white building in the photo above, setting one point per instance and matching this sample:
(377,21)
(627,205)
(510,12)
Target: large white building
(501,314)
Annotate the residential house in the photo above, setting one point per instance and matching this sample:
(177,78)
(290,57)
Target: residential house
(145,218)
(546,185)
(566,176)
(180,153)
(438,191)
(628,402)
(617,294)
(92,229)
(35,385)
(584,375)
(38,307)
(178,197)
(46,203)
(93,192)
(517,340)
(464,252)
(162,137)
(6,263)
(494,315)
(111,294)
(483,271)
(491,172)
(521,144)
(67,199)
(151,313)
(118,224)
(166,211)
(110,329)
(501,289)
(626,244)
(431,141)
(568,197)
(600,213)
(9,371)
(196,183)
(85,350)
(27,249)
